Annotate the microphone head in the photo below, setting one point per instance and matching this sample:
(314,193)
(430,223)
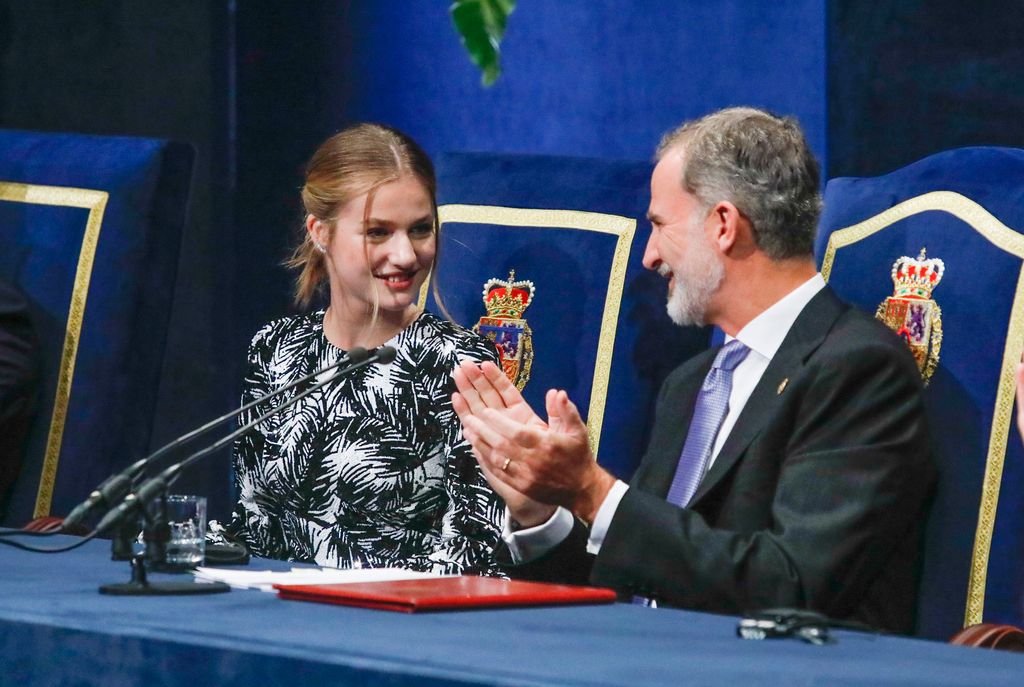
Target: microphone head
(358,355)
(385,354)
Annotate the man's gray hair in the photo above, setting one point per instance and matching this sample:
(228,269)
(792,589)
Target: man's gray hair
(760,163)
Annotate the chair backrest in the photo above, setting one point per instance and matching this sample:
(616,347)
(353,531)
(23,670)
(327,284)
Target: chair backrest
(965,321)
(575,229)
(90,229)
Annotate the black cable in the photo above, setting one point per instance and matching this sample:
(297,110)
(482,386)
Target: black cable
(34,549)
(28,533)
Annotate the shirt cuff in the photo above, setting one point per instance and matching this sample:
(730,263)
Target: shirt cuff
(533,542)
(605,513)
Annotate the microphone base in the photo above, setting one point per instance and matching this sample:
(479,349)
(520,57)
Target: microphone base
(140,586)
(163,588)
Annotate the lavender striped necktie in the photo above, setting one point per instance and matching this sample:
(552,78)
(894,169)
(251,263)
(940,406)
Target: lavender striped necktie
(712,406)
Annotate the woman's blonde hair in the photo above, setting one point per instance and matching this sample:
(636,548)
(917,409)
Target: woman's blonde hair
(357,160)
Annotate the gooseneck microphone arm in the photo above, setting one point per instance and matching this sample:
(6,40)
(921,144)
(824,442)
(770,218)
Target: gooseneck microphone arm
(154,486)
(115,487)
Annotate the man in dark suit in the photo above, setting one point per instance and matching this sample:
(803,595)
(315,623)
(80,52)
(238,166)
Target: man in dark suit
(788,468)
(18,379)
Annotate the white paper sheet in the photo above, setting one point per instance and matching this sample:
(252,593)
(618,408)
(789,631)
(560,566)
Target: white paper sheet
(264,580)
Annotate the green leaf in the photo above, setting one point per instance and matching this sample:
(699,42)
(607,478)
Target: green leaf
(481,26)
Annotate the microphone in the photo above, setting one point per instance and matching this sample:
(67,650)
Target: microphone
(115,488)
(384,354)
(157,485)
(111,490)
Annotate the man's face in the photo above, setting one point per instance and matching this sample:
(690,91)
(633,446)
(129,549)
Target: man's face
(678,247)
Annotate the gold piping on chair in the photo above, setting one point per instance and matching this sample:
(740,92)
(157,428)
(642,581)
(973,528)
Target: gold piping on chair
(95,202)
(623,228)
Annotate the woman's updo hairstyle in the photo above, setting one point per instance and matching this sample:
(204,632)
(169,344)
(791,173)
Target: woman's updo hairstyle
(357,160)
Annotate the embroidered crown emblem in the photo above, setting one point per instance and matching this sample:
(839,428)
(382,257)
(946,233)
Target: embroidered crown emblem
(916,278)
(507,298)
(911,312)
(504,324)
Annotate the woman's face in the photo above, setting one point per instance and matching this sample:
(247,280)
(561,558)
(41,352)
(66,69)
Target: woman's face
(387,248)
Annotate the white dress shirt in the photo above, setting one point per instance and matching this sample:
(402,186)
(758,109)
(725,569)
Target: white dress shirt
(763,335)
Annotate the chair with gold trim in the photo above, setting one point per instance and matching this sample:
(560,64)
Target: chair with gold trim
(936,248)
(558,243)
(90,229)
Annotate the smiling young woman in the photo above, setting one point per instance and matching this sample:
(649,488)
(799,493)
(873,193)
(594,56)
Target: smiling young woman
(370,470)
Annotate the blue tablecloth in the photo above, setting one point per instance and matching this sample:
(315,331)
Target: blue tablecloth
(56,629)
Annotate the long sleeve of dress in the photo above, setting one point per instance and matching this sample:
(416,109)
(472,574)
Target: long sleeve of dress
(255,451)
(471,523)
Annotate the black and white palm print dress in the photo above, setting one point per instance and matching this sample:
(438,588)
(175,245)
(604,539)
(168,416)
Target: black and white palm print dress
(371,470)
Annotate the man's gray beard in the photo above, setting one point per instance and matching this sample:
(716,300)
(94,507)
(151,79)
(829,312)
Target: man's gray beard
(694,286)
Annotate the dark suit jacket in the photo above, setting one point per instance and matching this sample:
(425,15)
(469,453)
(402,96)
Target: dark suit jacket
(815,501)
(18,380)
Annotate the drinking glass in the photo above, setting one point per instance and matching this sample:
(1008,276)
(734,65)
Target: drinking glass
(186,516)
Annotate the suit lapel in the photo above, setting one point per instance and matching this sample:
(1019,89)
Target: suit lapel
(804,337)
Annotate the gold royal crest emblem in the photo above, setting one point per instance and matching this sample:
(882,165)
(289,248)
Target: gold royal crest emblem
(911,312)
(505,326)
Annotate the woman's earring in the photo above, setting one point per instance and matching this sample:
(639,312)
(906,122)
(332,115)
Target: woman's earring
(320,247)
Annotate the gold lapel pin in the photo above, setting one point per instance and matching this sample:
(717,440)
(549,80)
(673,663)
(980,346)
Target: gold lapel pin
(782,386)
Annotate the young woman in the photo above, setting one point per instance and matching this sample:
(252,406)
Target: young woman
(371,470)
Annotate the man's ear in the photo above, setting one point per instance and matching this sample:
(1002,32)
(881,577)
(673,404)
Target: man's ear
(724,224)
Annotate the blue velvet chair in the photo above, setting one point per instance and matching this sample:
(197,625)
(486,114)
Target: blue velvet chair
(965,320)
(575,229)
(90,229)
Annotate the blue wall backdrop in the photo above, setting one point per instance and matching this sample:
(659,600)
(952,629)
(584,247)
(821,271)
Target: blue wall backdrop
(908,78)
(601,78)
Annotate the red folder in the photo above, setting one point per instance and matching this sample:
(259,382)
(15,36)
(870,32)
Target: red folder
(445,593)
